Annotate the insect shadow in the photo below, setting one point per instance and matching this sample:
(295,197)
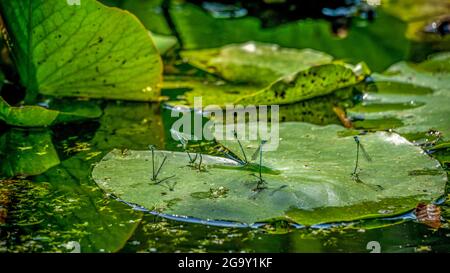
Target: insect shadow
(356,171)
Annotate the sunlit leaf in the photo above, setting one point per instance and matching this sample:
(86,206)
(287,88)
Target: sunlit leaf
(313,82)
(308,178)
(254,62)
(86,50)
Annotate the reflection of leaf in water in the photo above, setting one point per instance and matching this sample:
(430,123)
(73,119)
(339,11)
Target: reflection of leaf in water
(26,153)
(308,178)
(103,225)
(80,50)
(129,126)
(37,116)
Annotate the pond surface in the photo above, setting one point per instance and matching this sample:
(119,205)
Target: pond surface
(63,206)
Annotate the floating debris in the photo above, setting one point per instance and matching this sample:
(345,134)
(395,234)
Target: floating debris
(428,214)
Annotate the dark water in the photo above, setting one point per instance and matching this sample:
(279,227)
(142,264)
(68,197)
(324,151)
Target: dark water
(64,205)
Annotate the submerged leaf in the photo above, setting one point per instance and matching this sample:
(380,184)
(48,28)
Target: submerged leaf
(309,172)
(86,50)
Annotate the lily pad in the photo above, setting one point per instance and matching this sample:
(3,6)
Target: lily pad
(26,153)
(212,91)
(37,116)
(215,93)
(313,82)
(378,43)
(81,50)
(254,62)
(309,172)
(423,87)
(307,84)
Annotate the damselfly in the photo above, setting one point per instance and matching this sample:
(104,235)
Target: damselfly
(156,170)
(360,147)
(184,142)
(259,151)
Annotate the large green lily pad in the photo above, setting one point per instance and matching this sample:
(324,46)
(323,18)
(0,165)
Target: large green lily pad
(254,62)
(416,94)
(81,50)
(308,177)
